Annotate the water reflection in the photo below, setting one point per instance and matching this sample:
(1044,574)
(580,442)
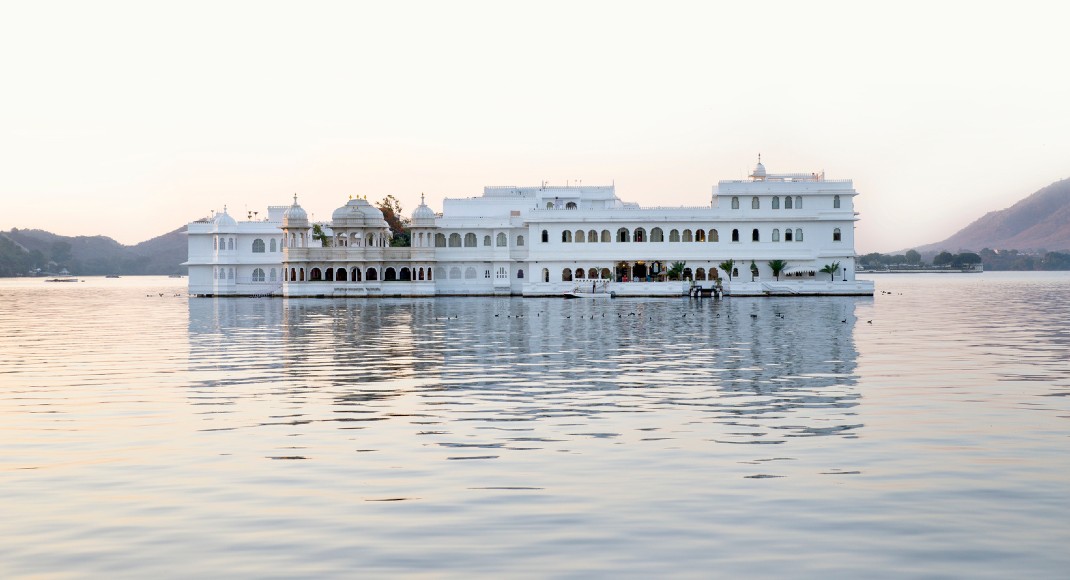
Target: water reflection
(739,371)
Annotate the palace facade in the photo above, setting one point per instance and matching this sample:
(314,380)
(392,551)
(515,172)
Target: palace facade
(544,241)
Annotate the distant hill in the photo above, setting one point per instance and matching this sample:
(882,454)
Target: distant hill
(1038,222)
(25,250)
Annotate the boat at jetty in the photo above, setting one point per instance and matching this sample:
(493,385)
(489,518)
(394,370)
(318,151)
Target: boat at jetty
(598,290)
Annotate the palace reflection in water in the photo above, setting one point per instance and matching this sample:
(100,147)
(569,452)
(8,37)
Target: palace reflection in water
(762,370)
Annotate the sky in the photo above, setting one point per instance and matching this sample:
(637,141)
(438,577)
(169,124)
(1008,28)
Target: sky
(130,119)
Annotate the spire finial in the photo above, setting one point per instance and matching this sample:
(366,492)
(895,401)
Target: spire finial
(421,198)
(759,158)
(295,199)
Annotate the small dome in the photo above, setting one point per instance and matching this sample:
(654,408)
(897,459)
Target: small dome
(759,171)
(423,214)
(295,215)
(224,220)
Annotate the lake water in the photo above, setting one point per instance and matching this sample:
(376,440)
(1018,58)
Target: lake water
(924,432)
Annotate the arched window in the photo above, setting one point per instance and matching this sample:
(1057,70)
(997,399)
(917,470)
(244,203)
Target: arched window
(639,235)
(215,243)
(405,275)
(735,272)
(754,235)
(503,240)
(370,241)
(440,273)
(776,202)
(735,203)
(674,235)
(776,234)
(798,235)
(622,235)
(230,244)
(566,275)
(549,205)
(579,273)
(222,273)
(687,236)
(258,246)
(340,275)
(293,274)
(470,273)
(606,274)
(688,275)
(230,273)
(700,236)
(355,275)
(735,235)
(390,275)
(274,248)
(519,241)
(545,274)
(836,201)
(437,270)
(520,274)
(315,275)
(754,203)
(592,236)
(713,237)
(455,240)
(592,273)
(328,275)
(469,240)
(700,273)
(486,240)
(566,236)
(787,202)
(545,236)
(798,202)
(372,275)
(273,276)
(836,235)
(570,205)
(606,237)
(440,240)
(657,235)
(579,236)
(787,234)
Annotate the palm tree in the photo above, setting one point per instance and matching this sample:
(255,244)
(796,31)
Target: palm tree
(676,270)
(727,266)
(778,267)
(831,269)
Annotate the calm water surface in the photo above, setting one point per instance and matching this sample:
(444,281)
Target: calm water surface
(923,432)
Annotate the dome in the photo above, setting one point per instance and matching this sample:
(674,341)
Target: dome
(295,216)
(759,171)
(224,220)
(357,213)
(423,215)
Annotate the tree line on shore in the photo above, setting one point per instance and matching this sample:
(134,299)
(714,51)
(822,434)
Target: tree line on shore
(989,258)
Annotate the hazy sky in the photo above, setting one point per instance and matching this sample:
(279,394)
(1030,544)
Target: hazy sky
(131,119)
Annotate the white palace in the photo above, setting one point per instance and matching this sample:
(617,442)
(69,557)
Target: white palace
(545,241)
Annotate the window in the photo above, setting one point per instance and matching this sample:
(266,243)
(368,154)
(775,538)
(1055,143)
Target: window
(222,273)
(274,248)
(639,235)
(674,235)
(372,275)
(566,236)
(545,274)
(713,237)
(700,236)
(622,235)
(787,202)
(390,275)
(776,235)
(579,236)
(566,275)
(787,235)
(340,275)
(570,205)
(754,235)
(776,202)
(754,203)
(545,236)
(440,240)
(836,235)
(656,235)
(592,273)
(230,244)
(469,240)
(486,273)
(735,204)
(605,237)
(273,276)
(579,273)
(592,236)
(258,246)
(455,273)
(215,243)
(798,235)
(258,274)
(503,240)
(440,273)
(230,274)
(687,236)
(470,273)
(519,241)
(735,235)
(549,205)
(486,241)
(798,202)
(520,274)
(455,240)
(836,201)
